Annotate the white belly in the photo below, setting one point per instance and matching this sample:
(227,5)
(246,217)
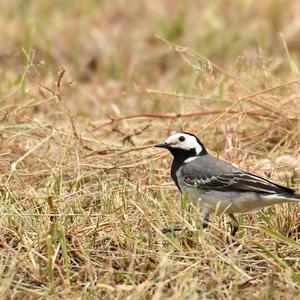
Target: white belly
(230,202)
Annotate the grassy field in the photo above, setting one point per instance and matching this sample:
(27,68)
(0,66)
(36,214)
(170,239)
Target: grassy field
(86,89)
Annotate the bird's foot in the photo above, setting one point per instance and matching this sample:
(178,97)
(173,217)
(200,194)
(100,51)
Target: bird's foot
(232,241)
(171,229)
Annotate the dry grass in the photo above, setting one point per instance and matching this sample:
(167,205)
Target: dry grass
(86,90)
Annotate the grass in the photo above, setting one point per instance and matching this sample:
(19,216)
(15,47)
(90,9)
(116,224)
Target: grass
(87,88)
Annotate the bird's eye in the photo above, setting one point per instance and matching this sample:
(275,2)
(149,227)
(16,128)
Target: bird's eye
(182,138)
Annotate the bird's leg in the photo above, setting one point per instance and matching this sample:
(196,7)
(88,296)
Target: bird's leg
(205,213)
(205,223)
(234,224)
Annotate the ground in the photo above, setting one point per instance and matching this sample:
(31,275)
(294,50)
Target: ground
(87,88)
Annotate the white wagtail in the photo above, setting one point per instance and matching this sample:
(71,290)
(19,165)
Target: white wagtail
(216,184)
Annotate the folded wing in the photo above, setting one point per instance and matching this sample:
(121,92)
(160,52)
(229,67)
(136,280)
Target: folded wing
(208,172)
(236,182)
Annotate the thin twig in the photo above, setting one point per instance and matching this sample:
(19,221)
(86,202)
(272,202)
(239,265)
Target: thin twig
(174,116)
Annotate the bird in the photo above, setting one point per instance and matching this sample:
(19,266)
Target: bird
(217,185)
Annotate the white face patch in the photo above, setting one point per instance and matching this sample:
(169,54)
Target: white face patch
(184,141)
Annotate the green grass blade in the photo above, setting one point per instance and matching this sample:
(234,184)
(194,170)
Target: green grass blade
(278,236)
(274,257)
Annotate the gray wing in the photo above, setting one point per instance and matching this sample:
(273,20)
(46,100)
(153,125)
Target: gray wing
(210,173)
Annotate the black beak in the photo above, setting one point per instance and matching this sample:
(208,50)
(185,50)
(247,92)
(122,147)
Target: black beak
(162,145)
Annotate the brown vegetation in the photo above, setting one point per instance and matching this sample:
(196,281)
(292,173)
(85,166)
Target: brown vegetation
(87,87)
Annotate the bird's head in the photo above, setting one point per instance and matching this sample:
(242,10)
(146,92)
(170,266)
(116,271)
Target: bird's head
(183,143)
